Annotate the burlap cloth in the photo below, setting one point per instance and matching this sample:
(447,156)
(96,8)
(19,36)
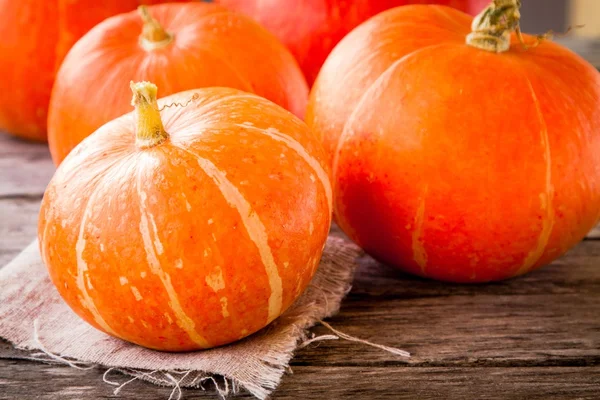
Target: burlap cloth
(34,317)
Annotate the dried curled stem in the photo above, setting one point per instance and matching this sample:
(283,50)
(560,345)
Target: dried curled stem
(492,28)
(153,36)
(549,35)
(196,96)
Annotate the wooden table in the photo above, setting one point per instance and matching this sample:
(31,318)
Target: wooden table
(535,337)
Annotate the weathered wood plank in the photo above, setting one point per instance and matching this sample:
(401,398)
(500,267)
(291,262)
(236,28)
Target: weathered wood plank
(577,272)
(548,317)
(594,233)
(18,226)
(26,380)
(476,329)
(25,167)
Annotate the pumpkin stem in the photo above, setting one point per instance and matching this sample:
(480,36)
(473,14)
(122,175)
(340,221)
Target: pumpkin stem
(153,34)
(491,29)
(149,129)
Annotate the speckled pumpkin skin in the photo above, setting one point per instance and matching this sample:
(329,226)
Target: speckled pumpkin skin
(198,241)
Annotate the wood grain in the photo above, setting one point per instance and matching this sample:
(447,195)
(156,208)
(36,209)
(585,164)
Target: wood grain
(25,168)
(18,225)
(577,272)
(534,337)
(594,234)
(26,380)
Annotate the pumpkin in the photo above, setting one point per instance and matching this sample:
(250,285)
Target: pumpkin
(460,149)
(179,47)
(312,28)
(36,35)
(190,223)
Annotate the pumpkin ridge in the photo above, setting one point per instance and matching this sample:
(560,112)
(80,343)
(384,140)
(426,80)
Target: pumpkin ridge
(151,249)
(58,50)
(408,24)
(42,237)
(82,267)
(218,56)
(301,151)
(546,198)
(178,132)
(419,253)
(204,107)
(343,136)
(359,65)
(254,226)
(444,12)
(207,16)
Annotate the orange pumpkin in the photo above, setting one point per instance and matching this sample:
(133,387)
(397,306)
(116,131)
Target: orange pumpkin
(459,153)
(178,46)
(36,35)
(312,28)
(190,227)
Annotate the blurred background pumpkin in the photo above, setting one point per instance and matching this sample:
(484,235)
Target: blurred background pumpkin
(309,28)
(312,28)
(179,47)
(36,36)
